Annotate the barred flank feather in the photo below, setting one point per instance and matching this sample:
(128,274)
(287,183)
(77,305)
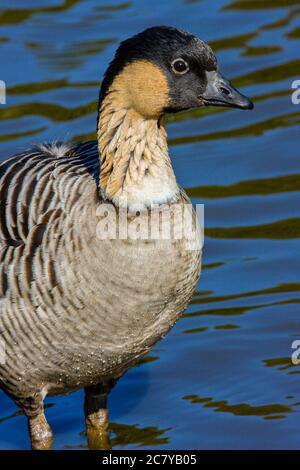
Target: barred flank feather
(74,309)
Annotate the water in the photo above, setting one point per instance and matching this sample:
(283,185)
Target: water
(223,377)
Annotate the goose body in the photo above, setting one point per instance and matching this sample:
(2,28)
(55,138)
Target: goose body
(78,309)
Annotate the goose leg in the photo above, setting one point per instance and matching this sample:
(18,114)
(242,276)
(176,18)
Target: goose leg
(41,435)
(40,432)
(96,415)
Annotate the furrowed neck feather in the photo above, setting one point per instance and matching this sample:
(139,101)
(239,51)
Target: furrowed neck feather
(136,170)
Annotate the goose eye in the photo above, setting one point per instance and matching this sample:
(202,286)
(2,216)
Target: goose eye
(180,66)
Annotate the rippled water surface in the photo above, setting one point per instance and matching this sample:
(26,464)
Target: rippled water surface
(223,377)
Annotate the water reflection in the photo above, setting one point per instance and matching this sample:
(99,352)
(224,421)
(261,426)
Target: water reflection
(257,4)
(114,7)
(123,435)
(242,409)
(282,363)
(18,15)
(265,186)
(294,34)
(282,288)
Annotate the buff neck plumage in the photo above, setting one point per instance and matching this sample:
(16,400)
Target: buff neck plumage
(136,170)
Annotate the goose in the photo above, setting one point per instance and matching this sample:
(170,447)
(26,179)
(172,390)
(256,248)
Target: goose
(78,309)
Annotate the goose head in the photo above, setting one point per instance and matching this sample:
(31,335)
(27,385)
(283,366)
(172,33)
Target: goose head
(161,70)
(167,70)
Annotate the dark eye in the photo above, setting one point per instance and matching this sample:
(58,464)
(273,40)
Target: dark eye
(180,66)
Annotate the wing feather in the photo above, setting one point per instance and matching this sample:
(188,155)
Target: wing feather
(36,187)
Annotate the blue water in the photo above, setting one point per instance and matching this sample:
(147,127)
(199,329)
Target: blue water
(223,377)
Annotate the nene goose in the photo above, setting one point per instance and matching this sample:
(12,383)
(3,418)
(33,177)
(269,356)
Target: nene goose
(77,309)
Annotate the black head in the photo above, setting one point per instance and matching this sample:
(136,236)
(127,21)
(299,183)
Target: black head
(179,71)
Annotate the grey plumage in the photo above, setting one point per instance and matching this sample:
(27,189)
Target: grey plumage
(76,310)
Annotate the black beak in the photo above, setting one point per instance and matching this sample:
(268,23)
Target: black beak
(220,92)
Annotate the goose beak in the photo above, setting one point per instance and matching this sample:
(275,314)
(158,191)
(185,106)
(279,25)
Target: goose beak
(220,92)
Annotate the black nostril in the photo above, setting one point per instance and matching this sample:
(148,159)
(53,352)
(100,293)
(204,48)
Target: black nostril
(224,91)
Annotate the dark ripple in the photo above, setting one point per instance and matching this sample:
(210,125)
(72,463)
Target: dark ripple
(15,16)
(241,409)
